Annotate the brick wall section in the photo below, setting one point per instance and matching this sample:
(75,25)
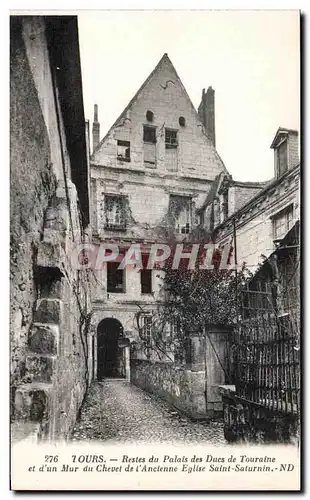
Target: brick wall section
(293,148)
(241,195)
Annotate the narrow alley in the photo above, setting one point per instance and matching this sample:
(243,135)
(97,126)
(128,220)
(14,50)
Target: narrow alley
(115,410)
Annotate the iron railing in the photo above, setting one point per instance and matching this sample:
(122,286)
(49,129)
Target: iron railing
(267,345)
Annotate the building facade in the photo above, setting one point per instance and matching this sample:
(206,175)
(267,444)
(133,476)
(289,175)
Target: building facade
(149,176)
(256,216)
(156,177)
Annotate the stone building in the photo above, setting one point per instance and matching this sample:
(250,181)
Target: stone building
(50,300)
(256,216)
(149,176)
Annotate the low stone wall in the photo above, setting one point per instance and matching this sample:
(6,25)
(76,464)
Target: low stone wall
(182,388)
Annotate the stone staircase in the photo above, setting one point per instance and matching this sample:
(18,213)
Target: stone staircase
(34,397)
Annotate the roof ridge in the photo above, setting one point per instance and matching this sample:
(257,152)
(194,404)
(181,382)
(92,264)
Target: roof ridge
(164,57)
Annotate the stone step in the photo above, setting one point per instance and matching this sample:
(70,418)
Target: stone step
(49,311)
(40,367)
(44,338)
(25,431)
(32,401)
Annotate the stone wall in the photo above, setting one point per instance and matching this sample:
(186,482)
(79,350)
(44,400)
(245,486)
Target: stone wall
(239,195)
(58,355)
(32,184)
(50,344)
(179,386)
(193,387)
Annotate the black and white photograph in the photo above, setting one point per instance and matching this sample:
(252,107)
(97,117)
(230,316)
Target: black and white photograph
(155,250)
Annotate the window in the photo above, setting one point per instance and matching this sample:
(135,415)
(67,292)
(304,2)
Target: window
(149,134)
(123,150)
(149,146)
(173,329)
(146,321)
(225,205)
(146,280)
(115,278)
(282,223)
(282,163)
(181,212)
(171,138)
(147,326)
(149,115)
(182,121)
(115,215)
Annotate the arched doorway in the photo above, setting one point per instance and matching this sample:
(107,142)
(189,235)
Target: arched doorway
(111,358)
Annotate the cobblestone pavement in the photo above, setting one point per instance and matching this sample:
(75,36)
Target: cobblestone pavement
(116,411)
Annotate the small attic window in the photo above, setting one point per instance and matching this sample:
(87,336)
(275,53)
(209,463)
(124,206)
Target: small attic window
(182,121)
(149,115)
(149,134)
(171,138)
(123,150)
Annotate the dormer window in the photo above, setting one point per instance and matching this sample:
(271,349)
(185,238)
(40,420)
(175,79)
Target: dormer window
(281,158)
(285,146)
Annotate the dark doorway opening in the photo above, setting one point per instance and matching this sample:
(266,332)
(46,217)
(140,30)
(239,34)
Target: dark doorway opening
(110,355)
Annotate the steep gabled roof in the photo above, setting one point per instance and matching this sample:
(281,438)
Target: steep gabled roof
(213,191)
(282,130)
(166,59)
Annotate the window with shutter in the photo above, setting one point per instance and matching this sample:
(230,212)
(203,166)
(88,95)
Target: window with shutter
(282,222)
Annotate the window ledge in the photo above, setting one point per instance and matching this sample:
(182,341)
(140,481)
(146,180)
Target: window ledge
(115,228)
(121,159)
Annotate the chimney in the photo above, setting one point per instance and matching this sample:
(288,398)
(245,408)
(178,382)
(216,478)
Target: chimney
(206,112)
(96,128)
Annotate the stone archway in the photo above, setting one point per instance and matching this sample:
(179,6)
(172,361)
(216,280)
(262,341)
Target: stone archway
(112,356)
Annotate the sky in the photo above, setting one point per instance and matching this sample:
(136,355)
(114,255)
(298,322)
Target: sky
(250,58)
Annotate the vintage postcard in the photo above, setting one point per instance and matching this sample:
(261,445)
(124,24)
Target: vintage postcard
(155,250)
